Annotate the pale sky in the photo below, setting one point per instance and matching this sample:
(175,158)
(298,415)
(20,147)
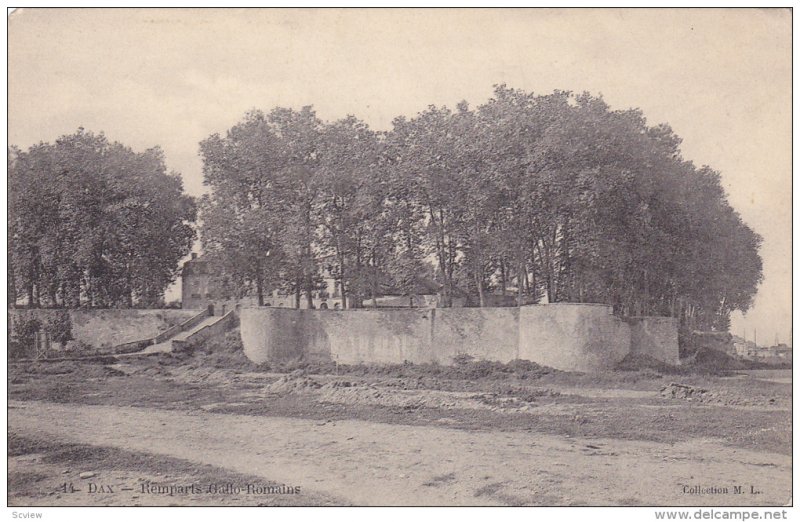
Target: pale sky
(721,79)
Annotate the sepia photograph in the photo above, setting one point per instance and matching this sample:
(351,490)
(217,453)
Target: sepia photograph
(400,257)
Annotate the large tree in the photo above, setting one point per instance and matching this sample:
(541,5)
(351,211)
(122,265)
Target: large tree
(242,220)
(556,194)
(259,222)
(354,226)
(93,223)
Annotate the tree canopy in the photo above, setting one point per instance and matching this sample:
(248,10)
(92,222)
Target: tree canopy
(556,197)
(93,223)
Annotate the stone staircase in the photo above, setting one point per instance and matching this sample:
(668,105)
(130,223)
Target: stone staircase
(167,345)
(197,329)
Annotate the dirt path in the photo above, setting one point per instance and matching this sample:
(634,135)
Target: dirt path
(371,463)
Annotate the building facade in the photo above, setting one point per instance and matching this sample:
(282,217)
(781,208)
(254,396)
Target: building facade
(196,287)
(199,289)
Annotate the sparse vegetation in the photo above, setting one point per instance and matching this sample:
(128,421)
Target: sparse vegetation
(741,411)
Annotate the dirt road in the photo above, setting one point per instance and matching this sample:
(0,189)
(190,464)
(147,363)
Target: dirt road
(367,463)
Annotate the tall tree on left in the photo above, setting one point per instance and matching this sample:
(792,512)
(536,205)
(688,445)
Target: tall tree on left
(94,224)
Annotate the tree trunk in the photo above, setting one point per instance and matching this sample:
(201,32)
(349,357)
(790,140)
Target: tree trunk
(260,291)
(309,282)
(374,280)
(451,264)
(357,297)
(89,293)
(129,295)
(342,289)
(552,283)
(481,293)
(309,292)
(12,285)
(441,254)
(503,277)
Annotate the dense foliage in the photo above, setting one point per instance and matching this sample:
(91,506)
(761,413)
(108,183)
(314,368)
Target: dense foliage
(94,224)
(557,197)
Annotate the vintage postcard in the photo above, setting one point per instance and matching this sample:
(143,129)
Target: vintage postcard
(400,257)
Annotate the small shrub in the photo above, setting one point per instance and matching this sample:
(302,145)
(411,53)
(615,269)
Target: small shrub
(222,352)
(59,326)
(81,348)
(463,359)
(23,331)
(18,351)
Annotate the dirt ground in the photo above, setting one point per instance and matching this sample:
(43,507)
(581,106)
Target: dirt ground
(224,432)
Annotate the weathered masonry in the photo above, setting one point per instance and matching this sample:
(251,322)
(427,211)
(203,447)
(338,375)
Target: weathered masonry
(581,337)
(111,327)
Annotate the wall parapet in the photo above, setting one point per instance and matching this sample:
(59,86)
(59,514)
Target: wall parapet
(566,336)
(114,329)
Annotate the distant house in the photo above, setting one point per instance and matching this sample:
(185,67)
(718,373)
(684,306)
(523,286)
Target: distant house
(780,352)
(771,354)
(745,349)
(200,288)
(196,291)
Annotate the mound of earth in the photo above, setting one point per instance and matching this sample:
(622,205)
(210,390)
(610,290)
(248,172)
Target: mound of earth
(708,359)
(682,391)
(89,370)
(638,361)
(295,382)
(343,391)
